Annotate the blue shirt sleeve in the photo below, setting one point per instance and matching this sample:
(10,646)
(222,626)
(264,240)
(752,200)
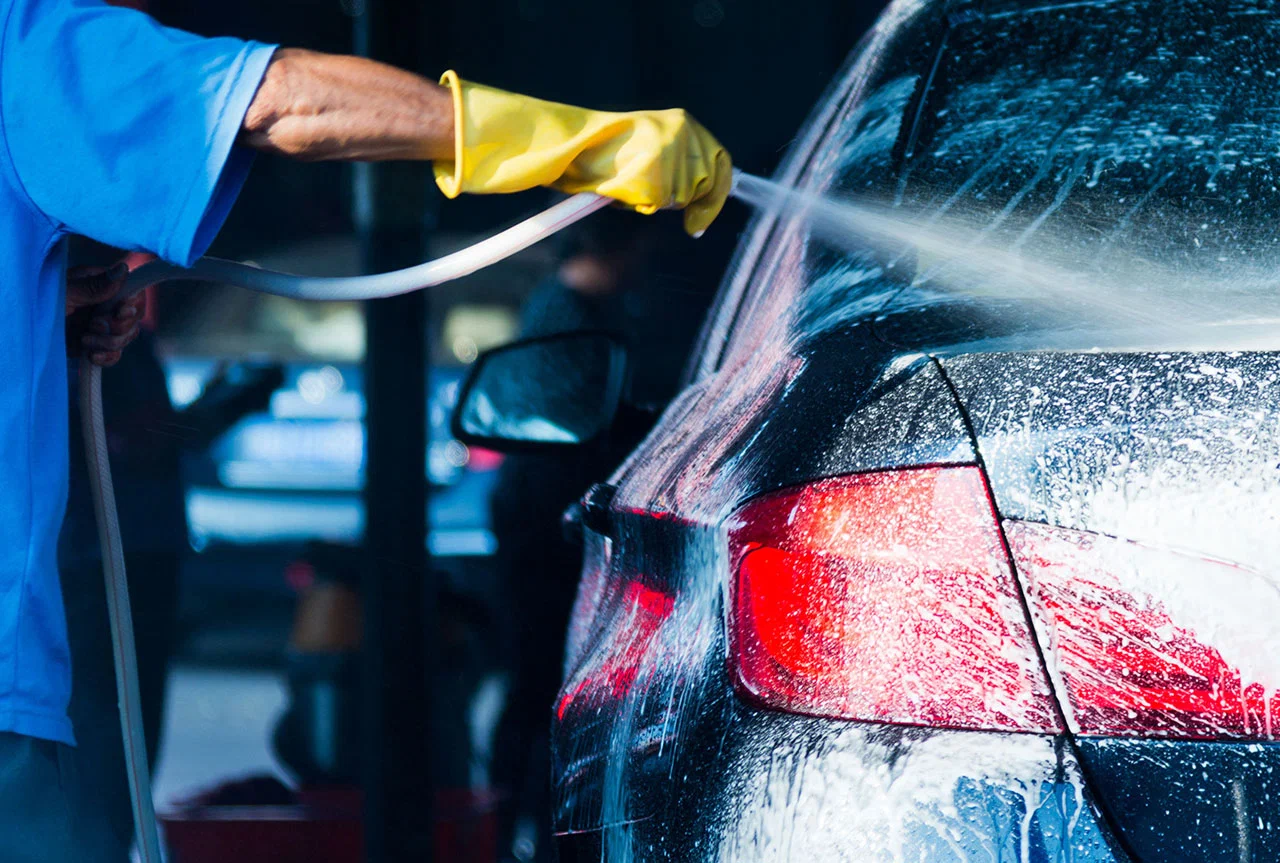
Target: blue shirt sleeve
(121,129)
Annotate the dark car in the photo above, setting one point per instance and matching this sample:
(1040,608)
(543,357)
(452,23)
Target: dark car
(964,549)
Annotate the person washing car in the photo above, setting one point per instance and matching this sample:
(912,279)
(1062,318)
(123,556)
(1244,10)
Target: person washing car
(140,136)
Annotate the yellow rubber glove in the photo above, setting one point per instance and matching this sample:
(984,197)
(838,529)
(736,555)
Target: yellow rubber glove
(648,160)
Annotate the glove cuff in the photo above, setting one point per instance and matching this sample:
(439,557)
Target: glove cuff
(449,173)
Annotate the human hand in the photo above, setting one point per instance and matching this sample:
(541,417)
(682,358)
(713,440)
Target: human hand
(94,329)
(646,160)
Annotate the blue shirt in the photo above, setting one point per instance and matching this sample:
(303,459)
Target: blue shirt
(116,128)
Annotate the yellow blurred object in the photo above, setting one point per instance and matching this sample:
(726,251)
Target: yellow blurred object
(648,160)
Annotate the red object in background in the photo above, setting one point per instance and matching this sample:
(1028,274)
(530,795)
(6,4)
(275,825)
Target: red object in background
(885,597)
(299,575)
(481,459)
(1119,621)
(323,826)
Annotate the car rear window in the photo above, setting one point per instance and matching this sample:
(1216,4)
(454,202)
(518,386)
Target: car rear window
(1131,147)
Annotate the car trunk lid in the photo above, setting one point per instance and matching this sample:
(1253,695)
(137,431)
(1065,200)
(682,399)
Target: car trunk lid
(1140,493)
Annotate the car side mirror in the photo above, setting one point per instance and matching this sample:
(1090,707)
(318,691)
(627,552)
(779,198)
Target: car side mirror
(553,391)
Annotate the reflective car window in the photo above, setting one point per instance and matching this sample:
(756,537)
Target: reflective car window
(1090,180)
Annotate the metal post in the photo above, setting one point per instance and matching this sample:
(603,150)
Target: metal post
(391,202)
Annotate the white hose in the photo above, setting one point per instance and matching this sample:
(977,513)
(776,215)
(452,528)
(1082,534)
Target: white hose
(432,273)
(463,263)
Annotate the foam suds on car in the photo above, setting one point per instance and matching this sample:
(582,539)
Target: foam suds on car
(1134,302)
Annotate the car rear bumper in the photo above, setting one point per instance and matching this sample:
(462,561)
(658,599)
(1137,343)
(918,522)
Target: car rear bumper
(777,787)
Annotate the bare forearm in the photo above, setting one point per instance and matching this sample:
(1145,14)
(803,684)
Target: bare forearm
(314,107)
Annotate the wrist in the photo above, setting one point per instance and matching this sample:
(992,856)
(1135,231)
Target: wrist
(448,171)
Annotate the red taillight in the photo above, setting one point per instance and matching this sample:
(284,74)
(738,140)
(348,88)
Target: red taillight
(885,597)
(1152,642)
(625,640)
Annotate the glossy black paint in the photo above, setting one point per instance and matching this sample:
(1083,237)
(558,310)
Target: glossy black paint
(1189,801)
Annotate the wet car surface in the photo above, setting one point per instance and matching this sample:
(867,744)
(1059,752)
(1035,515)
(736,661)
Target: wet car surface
(918,569)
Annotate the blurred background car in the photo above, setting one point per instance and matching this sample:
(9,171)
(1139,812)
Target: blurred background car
(293,473)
